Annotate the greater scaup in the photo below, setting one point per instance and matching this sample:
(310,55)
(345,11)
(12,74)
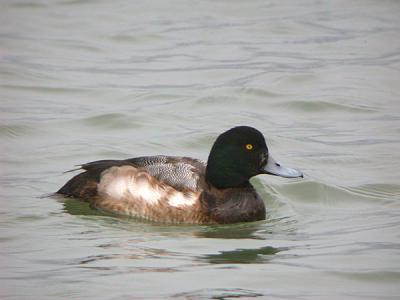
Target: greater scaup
(181,189)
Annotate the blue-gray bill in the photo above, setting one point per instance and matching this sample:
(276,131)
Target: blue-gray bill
(274,168)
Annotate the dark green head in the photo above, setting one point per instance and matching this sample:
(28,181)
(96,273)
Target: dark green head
(239,154)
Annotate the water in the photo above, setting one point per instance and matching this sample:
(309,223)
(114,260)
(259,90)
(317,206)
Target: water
(86,80)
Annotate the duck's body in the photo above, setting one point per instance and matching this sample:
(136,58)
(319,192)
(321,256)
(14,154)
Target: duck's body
(181,189)
(162,188)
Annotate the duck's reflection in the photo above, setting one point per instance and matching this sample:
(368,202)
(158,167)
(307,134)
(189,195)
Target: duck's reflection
(243,256)
(235,231)
(79,208)
(240,231)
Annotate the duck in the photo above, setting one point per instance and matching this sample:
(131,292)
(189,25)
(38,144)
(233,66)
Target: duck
(179,189)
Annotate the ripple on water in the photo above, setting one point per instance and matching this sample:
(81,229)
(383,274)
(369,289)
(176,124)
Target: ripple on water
(322,106)
(311,192)
(257,92)
(15,131)
(45,89)
(235,293)
(112,121)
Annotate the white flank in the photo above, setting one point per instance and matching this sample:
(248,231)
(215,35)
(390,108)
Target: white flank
(116,188)
(119,183)
(179,199)
(145,191)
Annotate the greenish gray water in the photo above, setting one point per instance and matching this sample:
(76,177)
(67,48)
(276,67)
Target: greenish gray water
(86,80)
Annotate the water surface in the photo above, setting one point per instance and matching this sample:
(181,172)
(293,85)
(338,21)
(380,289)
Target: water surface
(87,80)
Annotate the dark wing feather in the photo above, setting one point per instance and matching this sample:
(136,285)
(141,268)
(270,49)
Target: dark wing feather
(182,173)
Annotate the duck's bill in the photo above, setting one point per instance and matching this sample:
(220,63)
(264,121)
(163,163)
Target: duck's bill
(274,168)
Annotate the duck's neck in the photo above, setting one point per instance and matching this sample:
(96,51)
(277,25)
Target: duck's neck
(233,205)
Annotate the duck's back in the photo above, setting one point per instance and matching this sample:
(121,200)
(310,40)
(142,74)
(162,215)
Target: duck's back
(160,188)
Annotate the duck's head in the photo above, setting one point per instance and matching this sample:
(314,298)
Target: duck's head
(239,154)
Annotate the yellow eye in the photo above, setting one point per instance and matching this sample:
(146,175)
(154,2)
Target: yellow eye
(249,146)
